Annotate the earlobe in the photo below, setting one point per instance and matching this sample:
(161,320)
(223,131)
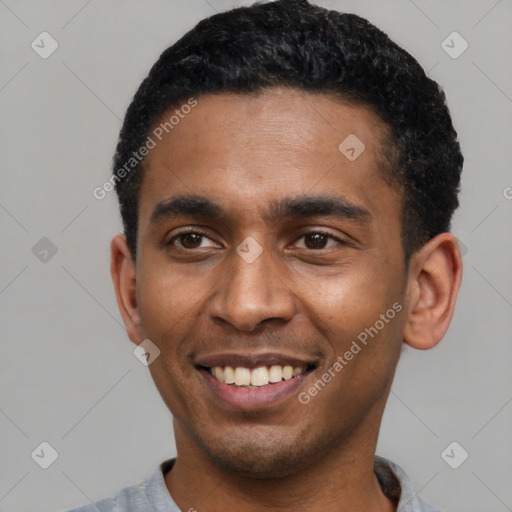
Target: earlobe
(122,269)
(435,273)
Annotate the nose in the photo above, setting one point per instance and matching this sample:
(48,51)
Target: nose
(252,293)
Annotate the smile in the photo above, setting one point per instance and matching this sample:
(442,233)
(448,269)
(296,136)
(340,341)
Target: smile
(256,377)
(253,381)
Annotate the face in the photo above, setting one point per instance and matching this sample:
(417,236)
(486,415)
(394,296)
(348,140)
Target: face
(265,257)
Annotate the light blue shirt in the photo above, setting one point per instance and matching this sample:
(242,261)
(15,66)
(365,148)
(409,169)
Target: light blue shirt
(153,496)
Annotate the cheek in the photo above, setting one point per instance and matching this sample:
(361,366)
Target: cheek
(172,304)
(348,302)
(363,329)
(360,315)
(166,307)
(166,296)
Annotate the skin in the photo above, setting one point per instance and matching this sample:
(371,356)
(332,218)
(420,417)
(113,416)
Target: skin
(202,298)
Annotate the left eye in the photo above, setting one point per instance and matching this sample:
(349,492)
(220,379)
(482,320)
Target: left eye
(318,240)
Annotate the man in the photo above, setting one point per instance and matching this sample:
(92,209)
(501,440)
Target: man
(286,177)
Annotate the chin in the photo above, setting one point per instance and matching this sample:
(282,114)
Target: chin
(262,456)
(256,461)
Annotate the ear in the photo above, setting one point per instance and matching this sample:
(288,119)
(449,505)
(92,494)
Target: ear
(122,269)
(435,273)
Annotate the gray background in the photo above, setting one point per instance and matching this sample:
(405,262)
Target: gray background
(68,375)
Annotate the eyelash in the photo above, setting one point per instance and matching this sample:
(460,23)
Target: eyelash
(205,235)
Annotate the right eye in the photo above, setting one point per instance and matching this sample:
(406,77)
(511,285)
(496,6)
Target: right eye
(190,240)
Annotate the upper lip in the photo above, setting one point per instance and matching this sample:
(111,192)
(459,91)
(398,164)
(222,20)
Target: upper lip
(252,360)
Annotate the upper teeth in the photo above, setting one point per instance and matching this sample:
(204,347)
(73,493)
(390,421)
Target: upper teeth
(259,376)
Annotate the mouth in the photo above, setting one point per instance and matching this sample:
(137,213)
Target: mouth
(258,377)
(254,382)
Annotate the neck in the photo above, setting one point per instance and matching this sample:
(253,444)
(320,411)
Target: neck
(341,480)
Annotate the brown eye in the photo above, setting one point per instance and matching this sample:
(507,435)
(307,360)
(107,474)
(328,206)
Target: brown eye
(315,240)
(190,240)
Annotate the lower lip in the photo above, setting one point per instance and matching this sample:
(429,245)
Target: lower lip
(239,397)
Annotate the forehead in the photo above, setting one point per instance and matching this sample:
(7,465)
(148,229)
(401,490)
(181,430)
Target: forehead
(253,149)
(278,118)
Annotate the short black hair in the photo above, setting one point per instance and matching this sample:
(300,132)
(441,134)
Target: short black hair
(295,44)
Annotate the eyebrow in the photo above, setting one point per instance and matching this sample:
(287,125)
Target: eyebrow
(283,209)
(193,206)
(316,206)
